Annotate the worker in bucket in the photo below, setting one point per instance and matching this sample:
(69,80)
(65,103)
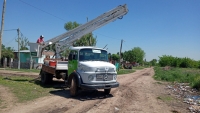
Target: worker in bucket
(40,40)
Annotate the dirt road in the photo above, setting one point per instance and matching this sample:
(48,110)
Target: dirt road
(138,93)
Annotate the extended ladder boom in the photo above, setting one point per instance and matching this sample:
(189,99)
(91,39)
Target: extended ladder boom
(66,39)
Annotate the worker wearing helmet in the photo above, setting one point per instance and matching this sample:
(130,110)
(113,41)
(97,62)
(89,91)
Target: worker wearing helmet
(40,40)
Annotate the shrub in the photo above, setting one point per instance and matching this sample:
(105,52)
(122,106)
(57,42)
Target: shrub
(181,75)
(167,60)
(196,82)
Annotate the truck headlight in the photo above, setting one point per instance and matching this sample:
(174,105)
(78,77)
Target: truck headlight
(115,77)
(90,77)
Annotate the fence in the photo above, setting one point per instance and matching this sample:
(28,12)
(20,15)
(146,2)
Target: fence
(23,65)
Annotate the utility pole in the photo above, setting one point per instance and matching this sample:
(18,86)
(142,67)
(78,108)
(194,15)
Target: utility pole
(18,49)
(2,25)
(120,54)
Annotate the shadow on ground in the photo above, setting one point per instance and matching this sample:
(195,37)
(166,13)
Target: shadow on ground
(83,95)
(62,90)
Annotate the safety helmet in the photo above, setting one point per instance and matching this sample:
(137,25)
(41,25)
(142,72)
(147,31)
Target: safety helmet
(42,36)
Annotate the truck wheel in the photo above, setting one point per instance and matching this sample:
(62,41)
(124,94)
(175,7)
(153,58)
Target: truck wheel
(50,78)
(73,88)
(107,91)
(46,78)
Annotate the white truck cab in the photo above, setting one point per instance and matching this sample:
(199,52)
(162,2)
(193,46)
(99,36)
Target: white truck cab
(91,69)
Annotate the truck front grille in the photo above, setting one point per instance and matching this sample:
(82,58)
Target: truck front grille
(104,77)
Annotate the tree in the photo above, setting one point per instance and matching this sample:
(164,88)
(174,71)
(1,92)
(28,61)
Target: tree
(86,40)
(168,60)
(7,52)
(128,56)
(115,57)
(153,62)
(23,43)
(51,47)
(138,54)
(134,55)
(65,53)
(71,25)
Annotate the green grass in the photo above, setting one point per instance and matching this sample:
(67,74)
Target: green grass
(24,70)
(158,83)
(138,68)
(23,89)
(1,101)
(125,71)
(2,105)
(181,75)
(165,98)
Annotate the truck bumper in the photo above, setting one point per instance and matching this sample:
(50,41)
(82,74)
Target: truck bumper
(99,86)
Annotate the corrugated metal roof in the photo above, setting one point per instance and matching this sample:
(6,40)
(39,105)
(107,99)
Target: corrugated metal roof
(23,51)
(51,53)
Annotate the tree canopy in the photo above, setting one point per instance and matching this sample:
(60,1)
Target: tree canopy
(115,57)
(153,62)
(134,55)
(23,43)
(168,60)
(7,52)
(86,40)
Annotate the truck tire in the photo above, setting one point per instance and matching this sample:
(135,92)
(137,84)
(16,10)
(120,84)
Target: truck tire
(107,91)
(46,78)
(73,87)
(50,78)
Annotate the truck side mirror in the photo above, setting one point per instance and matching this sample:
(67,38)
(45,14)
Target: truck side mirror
(70,57)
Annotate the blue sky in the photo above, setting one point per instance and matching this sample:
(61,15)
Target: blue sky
(159,27)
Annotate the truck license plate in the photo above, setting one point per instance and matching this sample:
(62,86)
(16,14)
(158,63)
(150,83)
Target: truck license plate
(99,76)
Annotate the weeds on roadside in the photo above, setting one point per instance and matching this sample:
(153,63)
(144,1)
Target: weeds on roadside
(24,70)
(125,71)
(181,75)
(23,89)
(165,98)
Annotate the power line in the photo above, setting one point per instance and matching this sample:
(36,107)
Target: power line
(21,34)
(128,46)
(10,30)
(108,36)
(42,10)
(11,40)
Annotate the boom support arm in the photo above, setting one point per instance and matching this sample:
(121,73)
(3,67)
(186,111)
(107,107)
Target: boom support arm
(66,39)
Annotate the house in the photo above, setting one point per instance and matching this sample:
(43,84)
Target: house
(25,58)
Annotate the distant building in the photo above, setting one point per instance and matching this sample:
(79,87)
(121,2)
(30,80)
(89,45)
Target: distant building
(25,58)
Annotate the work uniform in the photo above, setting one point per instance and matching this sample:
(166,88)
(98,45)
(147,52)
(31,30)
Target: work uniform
(40,40)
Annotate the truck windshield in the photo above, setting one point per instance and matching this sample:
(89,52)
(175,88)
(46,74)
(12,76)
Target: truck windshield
(93,55)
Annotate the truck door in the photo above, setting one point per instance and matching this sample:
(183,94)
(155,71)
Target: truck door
(72,62)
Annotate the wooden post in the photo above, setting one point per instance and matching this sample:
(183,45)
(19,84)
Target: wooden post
(18,49)
(120,54)
(2,25)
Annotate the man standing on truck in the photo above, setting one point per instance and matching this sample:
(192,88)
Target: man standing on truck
(40,40)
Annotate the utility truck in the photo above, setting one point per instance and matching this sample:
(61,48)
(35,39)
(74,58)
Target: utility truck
(87,68)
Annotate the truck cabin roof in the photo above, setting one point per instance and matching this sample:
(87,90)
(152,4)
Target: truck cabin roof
(85,47)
